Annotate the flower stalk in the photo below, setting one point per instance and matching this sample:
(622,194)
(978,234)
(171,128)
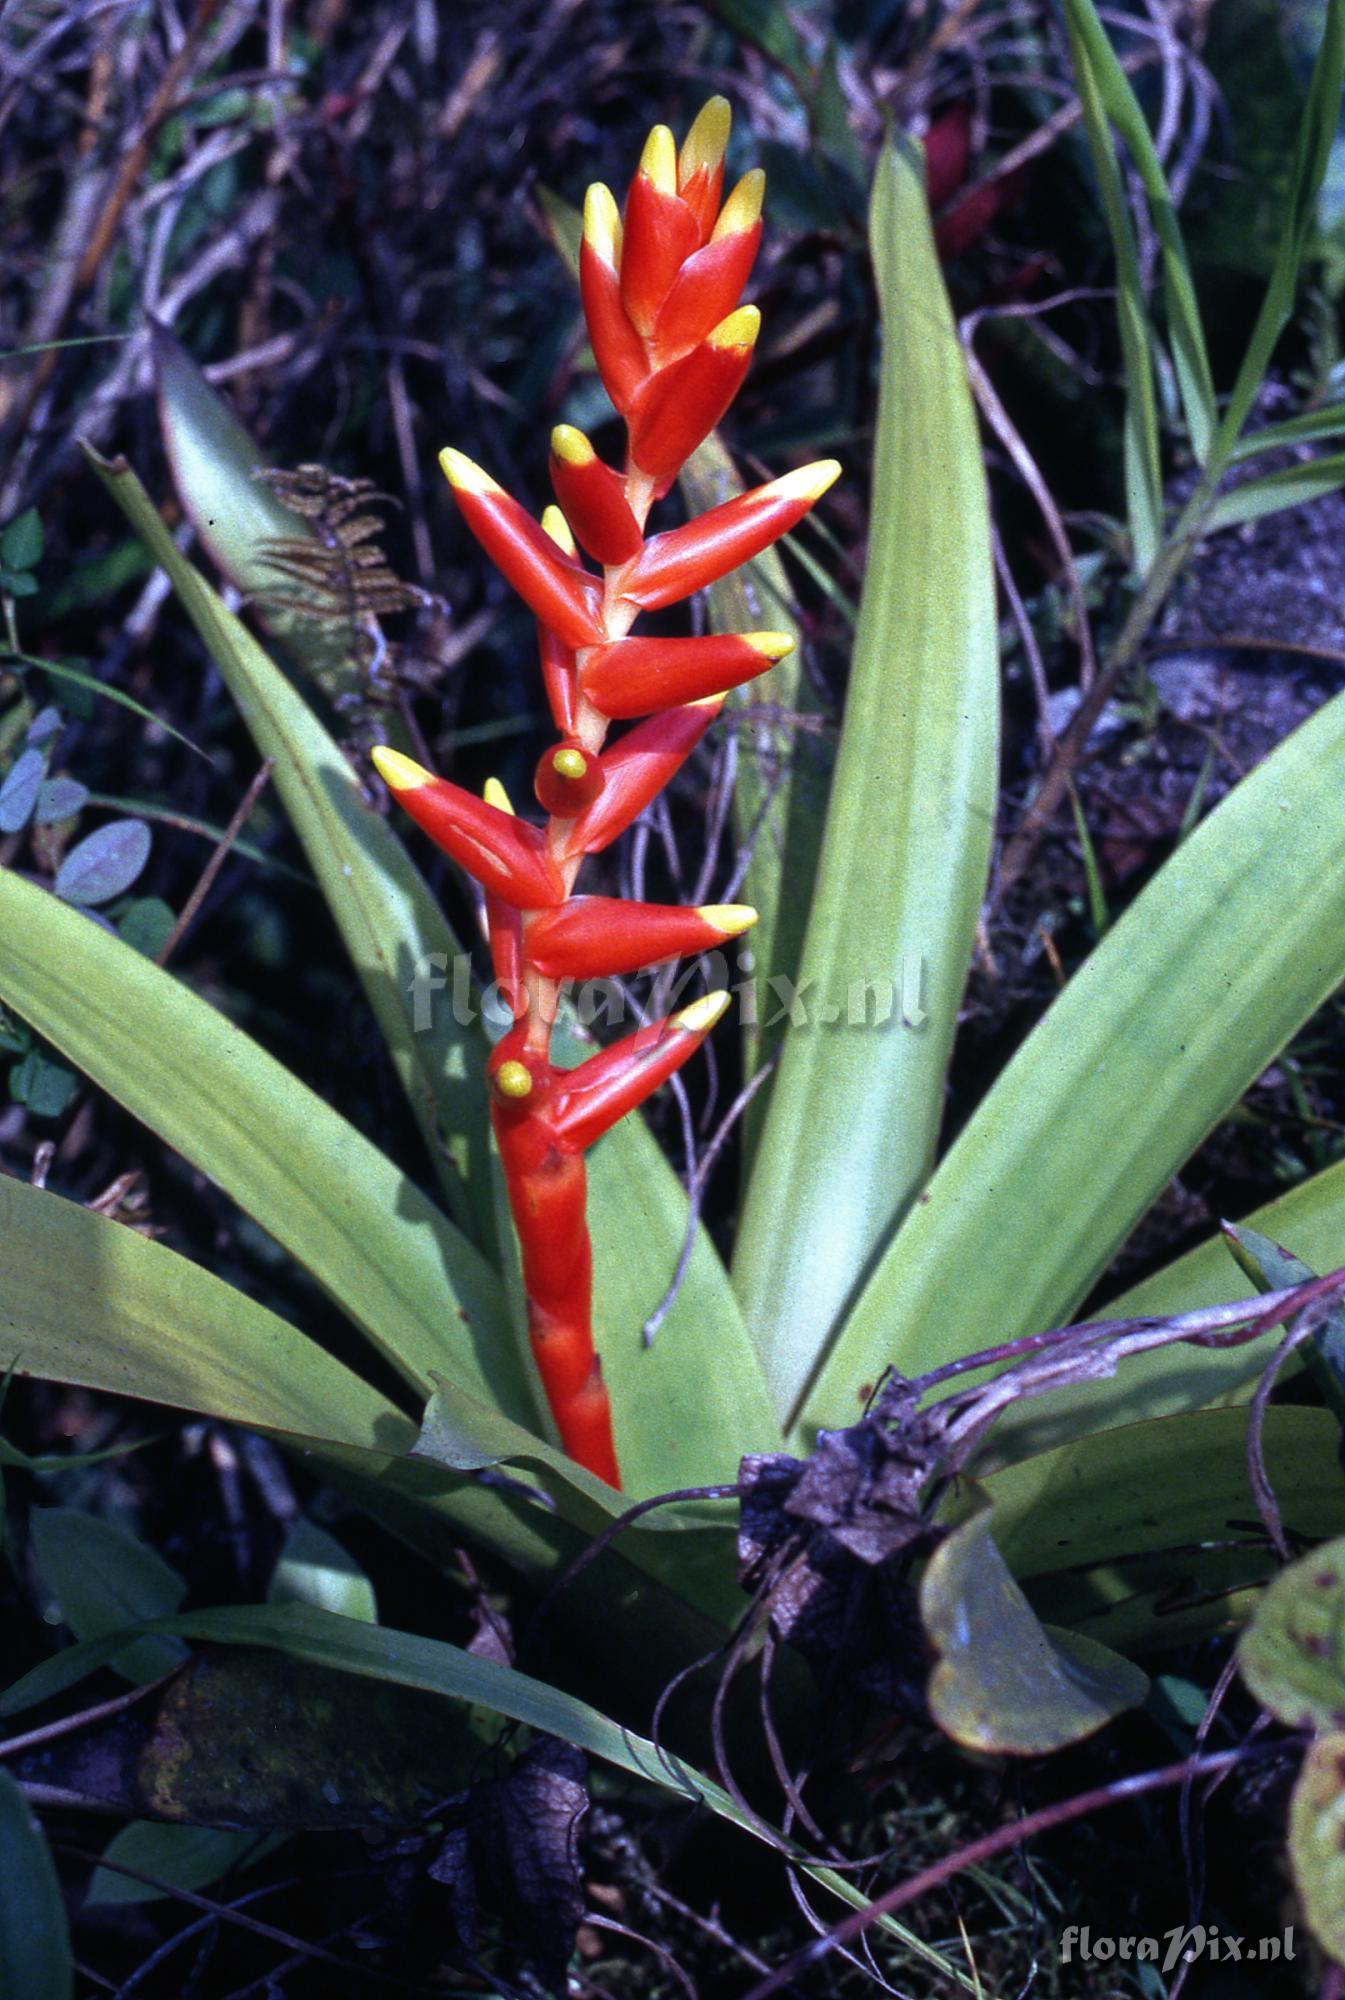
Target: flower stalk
(660,287)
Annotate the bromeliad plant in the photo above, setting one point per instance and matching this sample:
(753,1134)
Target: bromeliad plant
(859,1246)
(672,344)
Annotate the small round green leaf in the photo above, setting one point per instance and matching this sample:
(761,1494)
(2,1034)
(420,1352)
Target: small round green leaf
(22,542)
(103,1579)
(46,1087)
(315,1569)
(105,863)
(35,1959)
(188,1857)
(147,925)
(1292,1654)
(1002,1681)
(1317,1841)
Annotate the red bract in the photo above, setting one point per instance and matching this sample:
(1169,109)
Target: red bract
(660,291)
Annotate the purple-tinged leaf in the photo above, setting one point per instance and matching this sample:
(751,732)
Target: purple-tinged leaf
(18,794)
(105,864)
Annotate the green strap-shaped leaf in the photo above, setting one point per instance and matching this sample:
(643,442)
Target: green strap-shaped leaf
(391,1261)
(855,1108)
(404,1659)
(1143,469)
(779,798)
(1165,1485)
(1309,1220)
(1108,79)
(1236,941)
(86,1300)
(35,1961)
(390,923)
(240,518)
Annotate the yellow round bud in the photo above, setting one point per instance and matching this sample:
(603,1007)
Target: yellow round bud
(513,1079)
(570,763)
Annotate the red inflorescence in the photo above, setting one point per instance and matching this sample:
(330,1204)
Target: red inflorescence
(660,291)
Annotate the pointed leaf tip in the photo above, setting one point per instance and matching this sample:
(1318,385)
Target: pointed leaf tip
(602,224)
(707,140)
(557,527)
(658,161)
(463,474)
(729,919)
(571,446)
(701,1015)
(742,210)
(740,329)
(399,773)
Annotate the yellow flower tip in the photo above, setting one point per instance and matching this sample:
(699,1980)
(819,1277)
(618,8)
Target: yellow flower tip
(570,763)
(494,794)
(463,474)
(742,210)
(701,1015)
(571,446)
(658,161)
(705,144)
(399,774)
(740,329)
(714,702)
(602,224)
(729,919)
(513,1079)
(771,645)
(809,482)
(558,528)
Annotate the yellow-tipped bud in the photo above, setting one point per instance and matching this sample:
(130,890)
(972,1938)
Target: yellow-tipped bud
(464,475)
(740,329)
(556,525)
(570,763)
(810,482)
(772,645)
(494,794)
(701,1015)
(729,919)
(742,210)
(705,144)
(658,161)
(513,1079)
(571,446)
(399,774)
(602,224)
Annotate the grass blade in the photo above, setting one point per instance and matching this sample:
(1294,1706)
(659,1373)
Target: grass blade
(1112,88)
(1143,471)
(1291,486)
(1316,133)
(1326,422)
(854,1113)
